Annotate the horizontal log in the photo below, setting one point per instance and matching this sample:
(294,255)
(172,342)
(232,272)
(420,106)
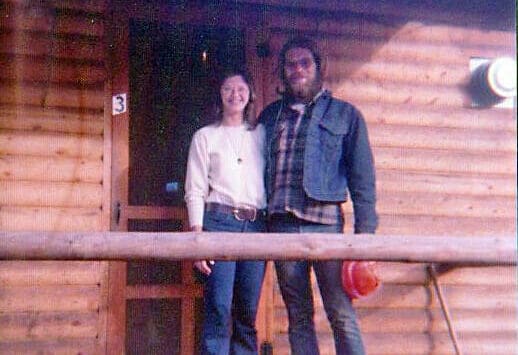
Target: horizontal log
(48,168)
(390,71)
(432,321)
(438,161)
(408,321)
(47,70)
(496,276)
(356,91)
(433,204)
(54,347)
(424,225)
(441,117)
(44,326)
(396,181)
(454,23)
(45,19)
(37,112)
(440,343)
(45,273)
(41,44)
(474,297)
(478,297)
(50,219)
(56,124)
(71,298)
(50,194)
(424,320)
(411,31)
(451,139)
(448,205)
(297,19)
(190,245)
(424,52)
(51,144)
(416,274)
(51,95)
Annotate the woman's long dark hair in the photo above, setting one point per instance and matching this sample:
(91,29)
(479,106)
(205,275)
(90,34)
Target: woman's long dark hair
(249,112)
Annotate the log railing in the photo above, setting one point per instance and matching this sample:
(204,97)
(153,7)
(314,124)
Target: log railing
(495,250)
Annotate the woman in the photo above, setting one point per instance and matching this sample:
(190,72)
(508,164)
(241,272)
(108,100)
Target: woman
(224,191)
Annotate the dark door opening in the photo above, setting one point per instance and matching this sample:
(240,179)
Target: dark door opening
(172,72)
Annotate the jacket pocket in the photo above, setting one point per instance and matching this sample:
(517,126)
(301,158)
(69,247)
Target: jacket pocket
(331,138)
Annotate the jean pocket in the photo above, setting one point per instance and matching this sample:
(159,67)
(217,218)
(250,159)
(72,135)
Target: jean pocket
(216,221)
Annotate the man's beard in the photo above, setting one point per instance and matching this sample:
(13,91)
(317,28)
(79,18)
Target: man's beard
(304,92)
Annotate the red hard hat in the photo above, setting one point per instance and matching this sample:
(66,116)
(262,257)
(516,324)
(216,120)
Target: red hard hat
(359,278)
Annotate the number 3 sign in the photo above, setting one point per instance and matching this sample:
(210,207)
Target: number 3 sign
(119,104)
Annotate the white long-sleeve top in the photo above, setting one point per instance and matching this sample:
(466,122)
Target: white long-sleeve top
(214,173)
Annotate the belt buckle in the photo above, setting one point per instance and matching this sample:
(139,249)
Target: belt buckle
(236,212)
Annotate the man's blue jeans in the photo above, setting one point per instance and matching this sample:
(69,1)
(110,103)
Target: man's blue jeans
(295,284)
(231,294)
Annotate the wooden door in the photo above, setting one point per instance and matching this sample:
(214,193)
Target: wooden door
(162,82)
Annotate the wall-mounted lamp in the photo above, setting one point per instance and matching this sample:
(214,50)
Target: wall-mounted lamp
(493,82)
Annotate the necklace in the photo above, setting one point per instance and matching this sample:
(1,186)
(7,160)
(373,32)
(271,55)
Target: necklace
(235,136)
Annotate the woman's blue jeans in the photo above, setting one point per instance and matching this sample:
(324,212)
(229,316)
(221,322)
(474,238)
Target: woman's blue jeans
(231,294)
(295,284)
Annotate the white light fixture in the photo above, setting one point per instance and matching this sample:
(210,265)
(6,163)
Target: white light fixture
(493,82)
(501,77)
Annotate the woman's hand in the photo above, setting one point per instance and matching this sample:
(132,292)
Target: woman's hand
(203,266)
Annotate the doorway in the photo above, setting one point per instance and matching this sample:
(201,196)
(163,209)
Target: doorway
(168,72)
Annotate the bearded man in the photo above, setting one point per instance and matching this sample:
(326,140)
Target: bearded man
(317,149)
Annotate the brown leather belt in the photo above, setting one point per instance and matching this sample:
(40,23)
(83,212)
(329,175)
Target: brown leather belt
(239,213)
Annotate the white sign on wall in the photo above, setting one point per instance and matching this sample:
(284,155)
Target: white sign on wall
(119,104)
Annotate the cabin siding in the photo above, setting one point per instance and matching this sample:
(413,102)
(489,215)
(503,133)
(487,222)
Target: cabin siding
(52,81)
(443,168)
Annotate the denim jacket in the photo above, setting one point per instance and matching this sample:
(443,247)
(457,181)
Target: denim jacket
(337,157)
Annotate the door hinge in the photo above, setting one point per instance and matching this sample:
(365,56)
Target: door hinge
(117,213)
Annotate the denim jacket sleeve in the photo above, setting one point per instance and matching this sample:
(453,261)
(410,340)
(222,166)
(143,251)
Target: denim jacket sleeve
(361,176)
(338,159)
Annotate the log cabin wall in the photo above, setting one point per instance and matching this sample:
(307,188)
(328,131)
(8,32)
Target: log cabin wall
(443,167)
(52,137)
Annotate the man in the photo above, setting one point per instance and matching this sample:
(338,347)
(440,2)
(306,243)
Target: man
(317,148)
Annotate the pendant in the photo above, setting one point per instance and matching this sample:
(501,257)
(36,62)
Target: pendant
(239,160)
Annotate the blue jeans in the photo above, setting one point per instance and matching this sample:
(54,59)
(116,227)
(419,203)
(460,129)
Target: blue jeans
(295,284)
(231,294)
